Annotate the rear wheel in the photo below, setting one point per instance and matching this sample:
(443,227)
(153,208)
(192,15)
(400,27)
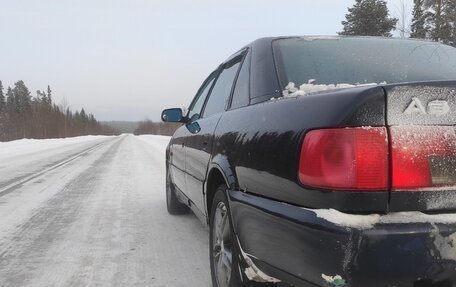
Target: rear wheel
(224,254)
(173,205)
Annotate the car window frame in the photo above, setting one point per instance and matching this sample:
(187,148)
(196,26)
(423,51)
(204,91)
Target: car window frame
(212,77)
(246,54)
(230,60)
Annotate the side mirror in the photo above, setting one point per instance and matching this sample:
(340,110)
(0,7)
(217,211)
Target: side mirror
(172,115)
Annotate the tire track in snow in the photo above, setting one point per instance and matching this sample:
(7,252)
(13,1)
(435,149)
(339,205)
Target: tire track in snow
(31,241)
(15,183)
(109,227)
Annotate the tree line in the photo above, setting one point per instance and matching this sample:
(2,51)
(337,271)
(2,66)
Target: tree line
(25,116)
(156,128)
(432,19)
(435,20)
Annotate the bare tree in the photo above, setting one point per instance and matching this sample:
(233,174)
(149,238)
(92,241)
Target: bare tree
(403,10)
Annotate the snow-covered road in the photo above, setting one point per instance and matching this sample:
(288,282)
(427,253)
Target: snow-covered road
(90,211)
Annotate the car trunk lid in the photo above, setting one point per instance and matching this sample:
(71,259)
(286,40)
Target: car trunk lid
(421,118)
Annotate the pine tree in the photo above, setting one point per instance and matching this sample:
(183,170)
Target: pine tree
(22,97)
(368,18)
(442,20)
(10,101)
(449,23)
(419,27)
(23,107)
(83,115)
(2,114)
(49,97)
(11,131)
(2,99)
(434,7)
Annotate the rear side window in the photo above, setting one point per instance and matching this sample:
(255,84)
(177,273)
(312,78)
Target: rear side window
(222,88)
(241,94)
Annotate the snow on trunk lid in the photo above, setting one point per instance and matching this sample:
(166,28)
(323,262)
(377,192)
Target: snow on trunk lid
(432,103)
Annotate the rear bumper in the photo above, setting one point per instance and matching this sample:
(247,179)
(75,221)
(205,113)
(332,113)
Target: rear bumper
(303,247)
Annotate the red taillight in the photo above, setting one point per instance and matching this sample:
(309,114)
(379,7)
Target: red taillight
(345,159)
(423,157)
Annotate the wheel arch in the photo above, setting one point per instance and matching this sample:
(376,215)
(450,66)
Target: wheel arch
(219,172)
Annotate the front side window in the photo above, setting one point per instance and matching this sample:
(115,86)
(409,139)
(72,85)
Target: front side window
(194,112)
(222,88)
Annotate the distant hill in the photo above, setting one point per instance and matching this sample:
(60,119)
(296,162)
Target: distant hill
(123,127)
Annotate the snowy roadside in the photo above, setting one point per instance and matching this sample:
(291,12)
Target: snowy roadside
(158,142)
(30,146)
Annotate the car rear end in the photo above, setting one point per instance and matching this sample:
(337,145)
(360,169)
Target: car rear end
(308,247)
(407,162)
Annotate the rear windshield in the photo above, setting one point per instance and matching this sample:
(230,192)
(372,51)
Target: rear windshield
(358,61)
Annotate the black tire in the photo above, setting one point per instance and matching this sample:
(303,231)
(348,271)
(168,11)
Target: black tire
(223,243)
(173,205)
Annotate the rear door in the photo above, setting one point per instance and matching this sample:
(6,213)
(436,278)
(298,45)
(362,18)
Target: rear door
(199,144)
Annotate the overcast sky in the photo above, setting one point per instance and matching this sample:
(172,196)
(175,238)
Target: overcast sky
(129,59)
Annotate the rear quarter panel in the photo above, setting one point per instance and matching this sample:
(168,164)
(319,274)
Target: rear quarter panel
(262,144)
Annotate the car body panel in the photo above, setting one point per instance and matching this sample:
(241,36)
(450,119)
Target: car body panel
(177,159)
(198,148)
(422,97)
(262,145)
(400,97)
(284,238)
(264,82)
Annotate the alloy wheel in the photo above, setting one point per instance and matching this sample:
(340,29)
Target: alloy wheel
(222,251)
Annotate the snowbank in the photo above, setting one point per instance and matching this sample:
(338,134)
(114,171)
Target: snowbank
(27,146)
